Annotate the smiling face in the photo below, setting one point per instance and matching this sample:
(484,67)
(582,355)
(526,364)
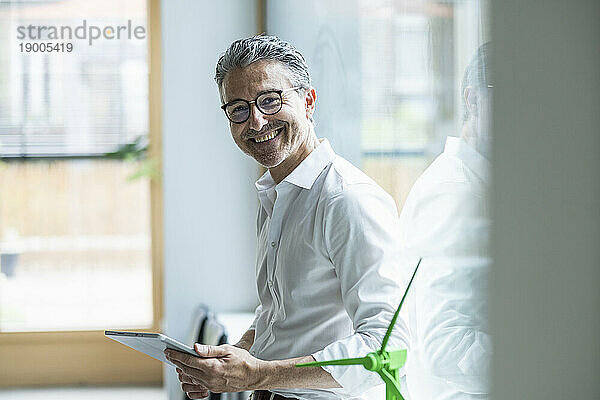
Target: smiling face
(279,141)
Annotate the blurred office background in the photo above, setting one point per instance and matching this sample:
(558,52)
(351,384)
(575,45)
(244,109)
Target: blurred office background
(124,203)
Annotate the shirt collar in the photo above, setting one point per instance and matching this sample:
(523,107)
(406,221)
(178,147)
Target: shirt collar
(265,182)
(265,186)
(306,173)
(472,158)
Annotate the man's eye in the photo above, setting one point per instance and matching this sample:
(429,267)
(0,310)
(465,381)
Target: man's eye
(269,101)
(239,108)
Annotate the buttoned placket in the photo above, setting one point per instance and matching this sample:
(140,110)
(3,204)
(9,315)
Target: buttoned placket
(273,239)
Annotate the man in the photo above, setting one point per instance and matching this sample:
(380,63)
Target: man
(446,220)
(326,250)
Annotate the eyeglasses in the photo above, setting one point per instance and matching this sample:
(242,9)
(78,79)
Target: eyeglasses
(268,103)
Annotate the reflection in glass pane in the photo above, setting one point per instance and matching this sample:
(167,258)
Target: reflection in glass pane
(413,55)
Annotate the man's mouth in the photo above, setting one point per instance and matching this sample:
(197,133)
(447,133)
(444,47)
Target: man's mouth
(268,136)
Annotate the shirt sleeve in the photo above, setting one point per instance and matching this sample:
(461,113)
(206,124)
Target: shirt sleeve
(257,313)
(360,233)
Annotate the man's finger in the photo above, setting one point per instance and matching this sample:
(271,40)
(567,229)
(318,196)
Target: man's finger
(183,378)
(186,370)
(197,392)
(174,355)
(196,363)
(197,395)
(209,351)
(204,371)
(181,359)
(171,354)
(186,387)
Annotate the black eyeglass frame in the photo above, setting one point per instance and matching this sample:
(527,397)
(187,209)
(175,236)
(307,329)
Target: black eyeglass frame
(249,102)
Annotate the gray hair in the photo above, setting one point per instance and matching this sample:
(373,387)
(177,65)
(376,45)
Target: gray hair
(477,74)
(244,52)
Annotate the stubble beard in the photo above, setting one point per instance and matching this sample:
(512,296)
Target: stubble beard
(288,142)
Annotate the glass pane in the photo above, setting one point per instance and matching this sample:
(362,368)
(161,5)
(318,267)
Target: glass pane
(74,229)
(413,57)
(404,92)
(388,76)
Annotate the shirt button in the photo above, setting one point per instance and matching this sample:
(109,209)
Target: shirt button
(270,283)
(273,244)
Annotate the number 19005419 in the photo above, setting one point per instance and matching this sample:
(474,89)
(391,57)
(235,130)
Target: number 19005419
(50,47)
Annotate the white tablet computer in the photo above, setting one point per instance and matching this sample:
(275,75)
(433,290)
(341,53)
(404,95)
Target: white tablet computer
(152,344)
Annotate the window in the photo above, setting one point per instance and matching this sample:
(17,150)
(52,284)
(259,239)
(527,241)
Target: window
(76,220)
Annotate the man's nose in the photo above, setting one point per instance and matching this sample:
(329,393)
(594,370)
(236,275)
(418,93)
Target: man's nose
(257,119)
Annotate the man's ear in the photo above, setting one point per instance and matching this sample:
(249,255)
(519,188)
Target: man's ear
(471,100)
(310,100)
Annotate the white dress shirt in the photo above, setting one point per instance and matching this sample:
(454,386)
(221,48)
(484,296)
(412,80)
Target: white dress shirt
(446,220)
(326,270)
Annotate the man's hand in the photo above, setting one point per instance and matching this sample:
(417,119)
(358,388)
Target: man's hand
(219,369)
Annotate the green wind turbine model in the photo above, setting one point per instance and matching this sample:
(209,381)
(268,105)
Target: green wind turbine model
(385,363)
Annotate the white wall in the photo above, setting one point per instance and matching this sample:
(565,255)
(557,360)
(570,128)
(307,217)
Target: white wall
(546,279)
(209,199)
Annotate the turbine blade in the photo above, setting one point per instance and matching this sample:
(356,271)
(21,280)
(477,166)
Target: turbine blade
(343,361)
(391,327)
